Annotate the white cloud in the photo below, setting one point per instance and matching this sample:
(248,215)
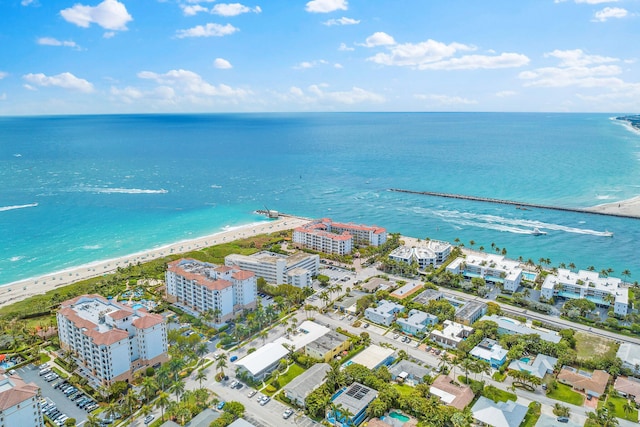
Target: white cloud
(130,94)
(435,55)
(610,12)
(354,96)
(342,21)
(309,64)
(379,39)
(191,10)
(577,58)
(110,14)
(343,47)
(108,35)
(588,1)
(63,80)
(446,99)
(222,64)
(326,6)
(27,2)
(50,41)
(506,93)
(3,97)
(3,74)
(233,9)
(576,69)
(192,84)
(208,30)
(338,66)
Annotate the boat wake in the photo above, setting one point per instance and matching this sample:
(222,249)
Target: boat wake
(123,190)
(499,223)
(10,208)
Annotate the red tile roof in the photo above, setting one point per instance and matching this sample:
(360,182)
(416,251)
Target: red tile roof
(120,314)
(597,382)
(20,392)
(243,275)
(107,338)
(147,321)
(217,285)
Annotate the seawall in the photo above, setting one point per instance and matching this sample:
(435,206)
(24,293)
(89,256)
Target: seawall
(512,202)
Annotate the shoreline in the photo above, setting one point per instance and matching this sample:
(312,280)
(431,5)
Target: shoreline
(629,207)
(25,288)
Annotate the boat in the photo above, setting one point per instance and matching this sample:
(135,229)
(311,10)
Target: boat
(537,232)
(608,233)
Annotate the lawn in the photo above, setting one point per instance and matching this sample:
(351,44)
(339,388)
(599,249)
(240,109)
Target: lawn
(532,416)
(588,346)
(293,371)
(497,395)
(565,394)
(404,390)
(618,404)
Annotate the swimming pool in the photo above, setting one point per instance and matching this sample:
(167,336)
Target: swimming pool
(6,365)
(525,359)
(399,416)
(137,306)
(529,276)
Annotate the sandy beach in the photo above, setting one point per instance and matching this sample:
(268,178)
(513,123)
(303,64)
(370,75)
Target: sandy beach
(17,291)
(629,207)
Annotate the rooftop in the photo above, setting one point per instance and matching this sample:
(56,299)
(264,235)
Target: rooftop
(516,327)
(469,309)
(501,414)
(14,390)
(628,386)
(539,367)
(418,318)
(306,333)
(410,368)
(629,353)
(263,357)
(428,295)
(386,307)
(372,356)
(451,393)
(407,290)
(309,380)
(328,342)
(589,381)
(355,398)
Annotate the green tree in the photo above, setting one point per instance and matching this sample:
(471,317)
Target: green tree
(163,402)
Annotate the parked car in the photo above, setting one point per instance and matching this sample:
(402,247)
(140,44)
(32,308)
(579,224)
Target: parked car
(287,413)
(264,400)
(221,405)
(395,336)
(251,393)
(563,419)
(233,358)
(148,419)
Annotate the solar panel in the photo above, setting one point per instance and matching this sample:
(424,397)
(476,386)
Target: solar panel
(353,390)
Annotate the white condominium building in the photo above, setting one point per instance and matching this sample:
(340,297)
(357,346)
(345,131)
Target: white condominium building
(604,291)
(492,268)
(109,340)
(297,269)
(431,252)
(226,291)
(337,238)
(19,402)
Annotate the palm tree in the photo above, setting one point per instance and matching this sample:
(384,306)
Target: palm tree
(222,363)
(162,402)
(130,401)
(467,364)
(148,388)
(93,421)
(201,375)
(628,407)
(112,410)
(183,414)
(200,351)
(626,273)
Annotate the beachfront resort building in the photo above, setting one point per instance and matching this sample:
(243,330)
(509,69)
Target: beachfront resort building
(427,253)
(603,291)
(225,291)
(494,269)
(330,237)
(297,269)
(451,335)
(385,313)
(417,322)
(19,402)
(108,340)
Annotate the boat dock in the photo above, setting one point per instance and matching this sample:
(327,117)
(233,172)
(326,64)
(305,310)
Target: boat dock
(519,205)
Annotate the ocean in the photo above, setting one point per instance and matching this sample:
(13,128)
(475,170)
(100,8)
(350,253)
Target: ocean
(77,189)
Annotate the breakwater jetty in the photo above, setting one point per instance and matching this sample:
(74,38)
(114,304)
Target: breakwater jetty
(521,205)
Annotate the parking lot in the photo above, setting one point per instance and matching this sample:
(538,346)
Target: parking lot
(63,403)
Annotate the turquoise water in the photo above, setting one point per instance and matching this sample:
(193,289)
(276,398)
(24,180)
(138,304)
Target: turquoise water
(84,188)
(6,365)
(399,416)
(137,306)
(525,359)
(529,276)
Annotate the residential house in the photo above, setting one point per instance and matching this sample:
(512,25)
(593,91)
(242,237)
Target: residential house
(628,387)
(408,372)
(429,295)
(451,335)
(302,385)
(501,414)
(373,357)
(471,311)
(451,393)
(592,383)
(491,352)
(384,313)
(417,322)
(509,326)
(630,356)
(406,291)
(539,366)
(355,399)
(328,346)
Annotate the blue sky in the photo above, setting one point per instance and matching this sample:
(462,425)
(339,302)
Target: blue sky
(148,56)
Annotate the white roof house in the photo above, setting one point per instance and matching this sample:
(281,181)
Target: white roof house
(306,333)
(507,325)
(501,414)
(630,356)
(493,268)
(264,360)
(373,357)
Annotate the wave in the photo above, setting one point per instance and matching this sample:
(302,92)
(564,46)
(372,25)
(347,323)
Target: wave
(92,247)
(512,225)
(10,208)
(123,190)
(216,186)
(16,258)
